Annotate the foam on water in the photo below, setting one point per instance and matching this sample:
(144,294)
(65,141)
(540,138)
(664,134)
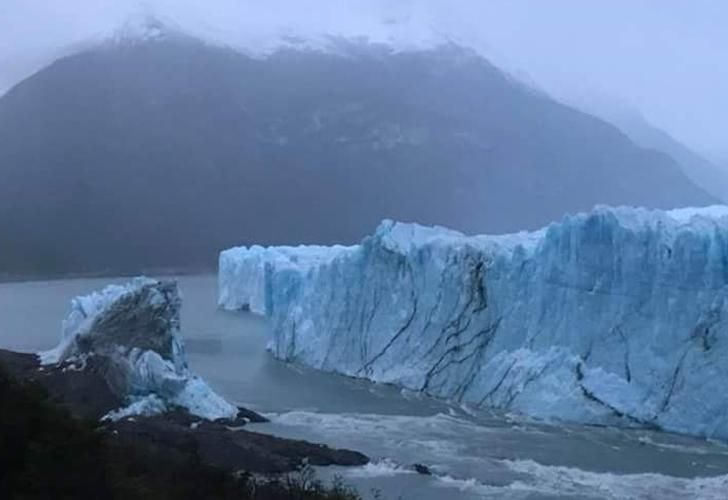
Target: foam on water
(474,454)
(560,482)
(379,468)
(463,456)
(572,481)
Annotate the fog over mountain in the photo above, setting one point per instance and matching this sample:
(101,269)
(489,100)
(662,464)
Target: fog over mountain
(158,152)
(709,174)
(664,57)
(439,248)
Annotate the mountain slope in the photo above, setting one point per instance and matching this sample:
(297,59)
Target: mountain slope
(160,153)
(707,174)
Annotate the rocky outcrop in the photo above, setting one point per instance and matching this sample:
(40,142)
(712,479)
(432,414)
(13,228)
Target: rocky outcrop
(130,334)
(222,443)
(121,362)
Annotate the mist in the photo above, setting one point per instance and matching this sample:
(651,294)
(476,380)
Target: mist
(127,145)
(438,248)
(664,59)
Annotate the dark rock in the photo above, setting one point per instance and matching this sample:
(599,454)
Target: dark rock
(422,469)
(131,334)
(176,434)
(217,444)
(251,416)
(147,319)
(18,364)
(83,392)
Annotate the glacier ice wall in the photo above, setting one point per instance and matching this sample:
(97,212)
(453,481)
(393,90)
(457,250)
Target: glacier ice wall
(134,329)
(617,316)
(243,271)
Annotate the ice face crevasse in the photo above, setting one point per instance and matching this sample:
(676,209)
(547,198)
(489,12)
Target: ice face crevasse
(134,329)
(617,316)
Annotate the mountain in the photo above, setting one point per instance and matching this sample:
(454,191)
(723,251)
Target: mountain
(158,152)
(709,175)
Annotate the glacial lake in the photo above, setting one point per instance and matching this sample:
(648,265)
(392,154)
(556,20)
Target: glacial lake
(472,453)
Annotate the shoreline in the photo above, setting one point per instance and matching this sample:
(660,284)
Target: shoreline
(221,443)
(58,454)
(161,272)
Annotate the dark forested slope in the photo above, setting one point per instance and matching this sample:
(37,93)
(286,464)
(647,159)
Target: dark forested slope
(159,153)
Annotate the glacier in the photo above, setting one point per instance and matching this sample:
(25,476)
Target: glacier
(243,271)
(615,317)
(133,329)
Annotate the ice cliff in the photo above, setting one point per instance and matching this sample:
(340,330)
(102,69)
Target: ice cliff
(618,316)
(243,271)
(133,329)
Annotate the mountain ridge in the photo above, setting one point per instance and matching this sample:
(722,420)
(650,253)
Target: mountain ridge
(704,171)
(159,153)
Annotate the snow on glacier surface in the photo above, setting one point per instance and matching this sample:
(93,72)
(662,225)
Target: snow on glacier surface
(617,316)
(135,327)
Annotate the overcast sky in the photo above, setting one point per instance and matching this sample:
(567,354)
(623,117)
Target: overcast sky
(666,58)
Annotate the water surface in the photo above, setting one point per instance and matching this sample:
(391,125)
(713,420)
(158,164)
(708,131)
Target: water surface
(474,454)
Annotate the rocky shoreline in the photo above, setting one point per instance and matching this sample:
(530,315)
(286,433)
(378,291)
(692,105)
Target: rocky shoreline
(120,369)
(223,443)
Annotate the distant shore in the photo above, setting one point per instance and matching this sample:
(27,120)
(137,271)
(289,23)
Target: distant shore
(162,272)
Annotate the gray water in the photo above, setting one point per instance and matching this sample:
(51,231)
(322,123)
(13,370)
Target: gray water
(474,454)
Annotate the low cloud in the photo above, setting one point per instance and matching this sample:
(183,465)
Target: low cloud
(661,57)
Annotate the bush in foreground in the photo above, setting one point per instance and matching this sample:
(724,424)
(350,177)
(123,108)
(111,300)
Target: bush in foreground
(47,454)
